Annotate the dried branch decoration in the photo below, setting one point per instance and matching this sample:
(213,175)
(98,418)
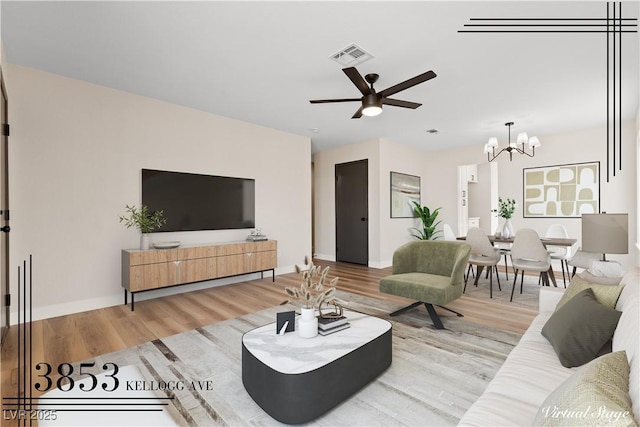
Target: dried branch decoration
(310,293)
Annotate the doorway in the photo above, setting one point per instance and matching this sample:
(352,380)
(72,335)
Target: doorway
(352,212)
(4,213)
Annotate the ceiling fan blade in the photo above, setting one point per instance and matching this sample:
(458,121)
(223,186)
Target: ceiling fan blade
(358,113)
(400,103)
(408,83)
(357,80)
(322,101)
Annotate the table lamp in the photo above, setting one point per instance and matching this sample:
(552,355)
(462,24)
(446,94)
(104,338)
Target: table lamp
(605,233)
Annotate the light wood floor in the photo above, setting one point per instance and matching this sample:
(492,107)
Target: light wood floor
(81,336)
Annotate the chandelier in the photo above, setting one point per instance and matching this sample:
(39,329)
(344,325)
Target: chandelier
(521,140)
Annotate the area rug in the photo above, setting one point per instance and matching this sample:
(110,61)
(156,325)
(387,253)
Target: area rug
(528,298)
(434,378)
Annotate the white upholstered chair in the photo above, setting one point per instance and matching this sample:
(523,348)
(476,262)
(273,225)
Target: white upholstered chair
(482,255)
(562,253)
(448,233)
(582,259)
(529,254)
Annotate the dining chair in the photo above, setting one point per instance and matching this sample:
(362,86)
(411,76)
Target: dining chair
(582,259)
(529,254)
(482,255)
(448,233)
(562,253)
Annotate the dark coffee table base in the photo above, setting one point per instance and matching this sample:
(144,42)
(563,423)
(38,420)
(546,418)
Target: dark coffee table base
(300,398)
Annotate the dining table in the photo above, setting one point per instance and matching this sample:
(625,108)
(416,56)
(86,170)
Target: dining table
(546,241)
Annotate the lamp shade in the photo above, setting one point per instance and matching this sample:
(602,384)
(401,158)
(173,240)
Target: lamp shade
(534,142)
(487,149)
(493,142)
(605,233)
(523,138)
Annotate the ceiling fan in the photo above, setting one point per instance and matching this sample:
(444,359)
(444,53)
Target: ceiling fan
(371,100)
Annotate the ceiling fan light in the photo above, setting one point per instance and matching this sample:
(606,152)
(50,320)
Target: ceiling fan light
(371,110)
(372,105)
(493,142)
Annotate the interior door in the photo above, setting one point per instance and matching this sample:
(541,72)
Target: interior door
(352,211)
(4,212)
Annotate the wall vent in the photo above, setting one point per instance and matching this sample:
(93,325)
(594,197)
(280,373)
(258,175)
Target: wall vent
(351,56)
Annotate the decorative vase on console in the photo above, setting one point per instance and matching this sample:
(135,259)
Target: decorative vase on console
(144,241)
(505,210)
(144,221)
(311,294)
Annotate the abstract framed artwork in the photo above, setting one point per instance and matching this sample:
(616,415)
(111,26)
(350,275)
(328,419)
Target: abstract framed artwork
(405,189)
(561,191)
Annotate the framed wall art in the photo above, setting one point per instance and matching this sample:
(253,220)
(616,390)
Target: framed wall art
(405,189)
(561,191)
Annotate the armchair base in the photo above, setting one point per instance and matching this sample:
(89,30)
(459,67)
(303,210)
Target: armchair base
(430,309)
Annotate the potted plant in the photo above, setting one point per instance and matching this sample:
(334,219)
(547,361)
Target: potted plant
(505,210)
(144,221)
(429,224)
(311,294)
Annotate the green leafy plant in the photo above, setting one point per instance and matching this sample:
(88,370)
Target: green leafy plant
(506,208)
(429,224)
(311,294)
(141,219)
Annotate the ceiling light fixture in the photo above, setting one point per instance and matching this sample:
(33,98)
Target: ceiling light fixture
(522,139)
(371,105)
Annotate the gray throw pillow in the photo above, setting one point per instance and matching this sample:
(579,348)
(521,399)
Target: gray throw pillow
(579,329)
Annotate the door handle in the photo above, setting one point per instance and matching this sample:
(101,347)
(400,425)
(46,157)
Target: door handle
(363,219)
(5,229)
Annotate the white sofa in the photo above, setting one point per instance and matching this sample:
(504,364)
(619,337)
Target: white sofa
(532,370)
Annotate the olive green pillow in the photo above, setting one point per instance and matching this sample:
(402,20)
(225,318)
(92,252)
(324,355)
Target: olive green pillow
(605,294)
(596,395)
(579,328)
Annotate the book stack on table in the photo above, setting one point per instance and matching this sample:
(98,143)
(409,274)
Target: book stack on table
(330,325)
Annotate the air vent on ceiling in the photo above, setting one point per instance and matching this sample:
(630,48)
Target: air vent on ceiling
(351,56)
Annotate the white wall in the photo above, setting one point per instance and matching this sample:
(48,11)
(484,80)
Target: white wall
(385,233)
(438,172)
(394,232)
(76,151)
(324,193)
(583,145)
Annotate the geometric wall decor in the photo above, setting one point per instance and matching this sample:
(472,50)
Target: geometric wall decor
(405,189)
(561,191)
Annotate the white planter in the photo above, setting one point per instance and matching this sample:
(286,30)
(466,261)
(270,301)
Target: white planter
(307,323)
(144,241)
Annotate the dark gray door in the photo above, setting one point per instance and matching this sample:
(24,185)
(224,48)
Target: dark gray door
(4,212)
(352,212)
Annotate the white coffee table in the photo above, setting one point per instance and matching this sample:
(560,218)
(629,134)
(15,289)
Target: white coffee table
(295,379)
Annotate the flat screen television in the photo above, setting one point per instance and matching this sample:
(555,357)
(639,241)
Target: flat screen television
(193,202)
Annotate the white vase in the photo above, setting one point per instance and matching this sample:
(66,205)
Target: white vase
(307,323)
(507,229)
(144,241)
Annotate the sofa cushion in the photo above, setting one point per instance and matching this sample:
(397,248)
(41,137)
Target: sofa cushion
(607,295)
(427,287)
(627,335)
(579,328)
(526,378)
(599,280)
(596,395)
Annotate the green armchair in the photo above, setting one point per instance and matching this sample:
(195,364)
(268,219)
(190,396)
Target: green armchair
(429,271)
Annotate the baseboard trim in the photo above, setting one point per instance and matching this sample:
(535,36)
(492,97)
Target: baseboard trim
(64,309)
